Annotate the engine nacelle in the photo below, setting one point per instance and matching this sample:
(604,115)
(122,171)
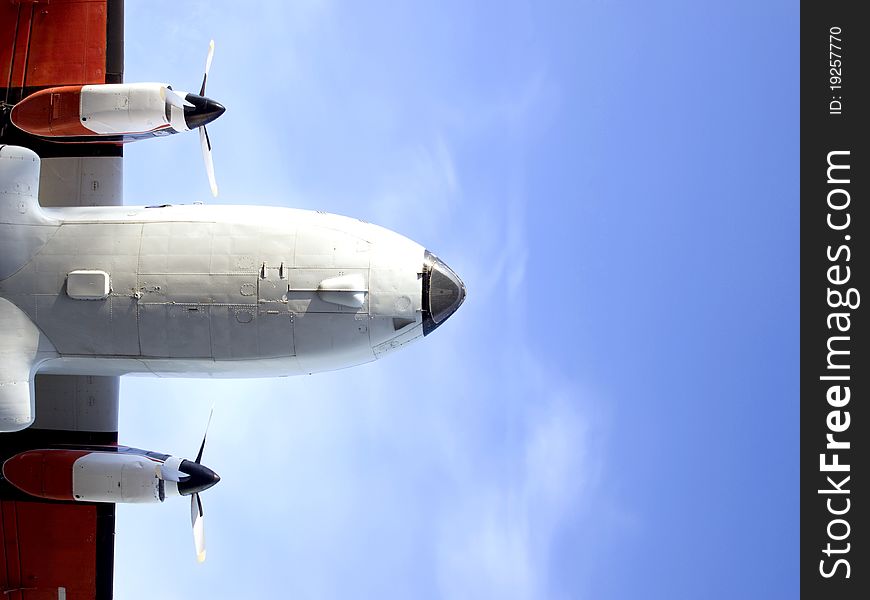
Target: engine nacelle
(89,476)
(115,113)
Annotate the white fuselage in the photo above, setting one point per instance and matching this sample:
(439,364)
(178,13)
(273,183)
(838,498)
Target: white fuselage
(192,291)
(217,291)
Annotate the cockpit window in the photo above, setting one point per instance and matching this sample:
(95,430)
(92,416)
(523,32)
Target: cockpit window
(443,292)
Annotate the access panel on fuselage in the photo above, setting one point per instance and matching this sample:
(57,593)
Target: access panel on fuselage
(83,327)
(275,321)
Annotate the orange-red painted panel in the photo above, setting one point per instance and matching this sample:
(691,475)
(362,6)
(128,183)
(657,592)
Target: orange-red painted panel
(8,21)
(52,43)
(43,473)
(68,44)
(46,547)
(51,112)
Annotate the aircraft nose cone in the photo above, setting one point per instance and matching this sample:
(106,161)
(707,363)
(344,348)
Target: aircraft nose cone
(199,478)
(443,292)
(204,111)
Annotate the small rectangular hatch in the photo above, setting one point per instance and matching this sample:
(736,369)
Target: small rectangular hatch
(88,285)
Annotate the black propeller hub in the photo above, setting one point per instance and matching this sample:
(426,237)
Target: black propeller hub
(199,479)
(204,111)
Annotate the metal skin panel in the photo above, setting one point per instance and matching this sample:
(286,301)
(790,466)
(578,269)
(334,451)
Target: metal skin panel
(235,332)
(392,339)
(329,341)
(242,247)
(81,181)
(395,278)
(174,331)
(76,403)
(275,332)
(115,477)
(24,228)
(394,292)
(19,342)
(107,327)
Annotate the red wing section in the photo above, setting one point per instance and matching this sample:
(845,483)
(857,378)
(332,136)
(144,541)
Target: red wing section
(52,550)
(61,42)
(53,43)
(59,549)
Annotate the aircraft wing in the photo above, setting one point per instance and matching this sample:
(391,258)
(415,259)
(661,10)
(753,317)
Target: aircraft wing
(63,42)
(55,549)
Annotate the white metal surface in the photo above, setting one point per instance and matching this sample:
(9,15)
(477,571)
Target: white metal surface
(215,287)
(176,115)
(88,285)
(19,341)
(24,227)
(81,181)
(76,403)
(114,477)
(123,108)
(344,290)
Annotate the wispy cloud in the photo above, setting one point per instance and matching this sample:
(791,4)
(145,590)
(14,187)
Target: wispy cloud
(420,183)
(515,489)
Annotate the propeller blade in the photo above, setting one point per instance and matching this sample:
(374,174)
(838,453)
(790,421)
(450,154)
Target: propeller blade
(202,446)
(175,99)
(170,474)
(207,67)
(196,521)
(205,142)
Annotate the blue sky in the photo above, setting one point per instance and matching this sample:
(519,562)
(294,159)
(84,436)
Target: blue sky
(613,413)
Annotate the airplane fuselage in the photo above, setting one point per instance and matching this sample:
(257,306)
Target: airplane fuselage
(219,291)
(195,290)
